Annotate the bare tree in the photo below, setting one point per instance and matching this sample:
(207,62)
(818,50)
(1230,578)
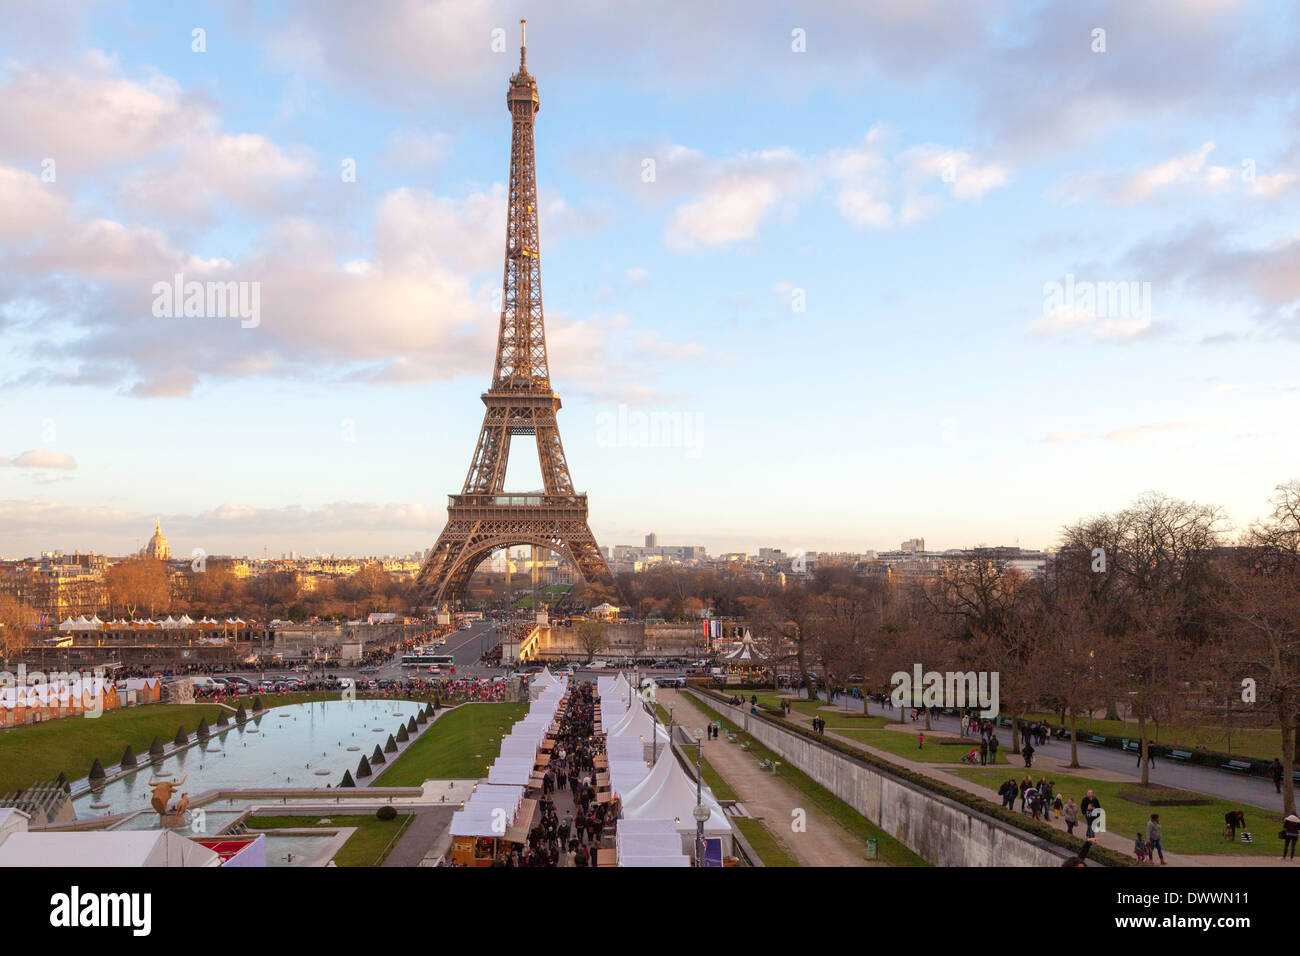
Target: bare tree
(139,582)
(591,637)
(1156,556)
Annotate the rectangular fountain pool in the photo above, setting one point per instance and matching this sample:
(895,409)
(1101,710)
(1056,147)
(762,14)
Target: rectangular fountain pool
(305,745)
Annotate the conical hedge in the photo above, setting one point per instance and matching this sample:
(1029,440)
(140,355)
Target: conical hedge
(97,770)
(61,781)
(421,717)
(257,704)
(203,731)
(347,779)
(128,757)
(363,768)
(402,735)
(241,715)
(410,726)
(156,748)
(391,746)
(181,738)
(377,757)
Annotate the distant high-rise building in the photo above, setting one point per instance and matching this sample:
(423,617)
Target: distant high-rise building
(652,540)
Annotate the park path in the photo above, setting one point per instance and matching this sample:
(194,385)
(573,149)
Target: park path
(1111,763)
(770,799)
(424,837)
(941,773)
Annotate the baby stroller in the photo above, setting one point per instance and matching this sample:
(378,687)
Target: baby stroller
(972,757)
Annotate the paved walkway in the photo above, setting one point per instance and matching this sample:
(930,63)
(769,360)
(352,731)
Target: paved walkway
(770,799)
(941,773)
(1109,763)
(425,836)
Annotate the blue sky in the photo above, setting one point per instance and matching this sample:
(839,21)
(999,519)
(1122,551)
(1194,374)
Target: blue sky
(837,273)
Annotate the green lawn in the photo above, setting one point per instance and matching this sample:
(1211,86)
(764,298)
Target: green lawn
(771,852)
(721,789)
(902,743)
(369,846)
(1194,830)
(36,753)
(460,745)
(834,718)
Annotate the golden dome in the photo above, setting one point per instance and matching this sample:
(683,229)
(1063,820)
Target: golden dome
(157,546)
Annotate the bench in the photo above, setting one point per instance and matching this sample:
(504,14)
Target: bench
(1180,754)
(731,737)
(767,765)
(1237,766)
(1094,739)
(744,746)
(1061,733)
(1132,745)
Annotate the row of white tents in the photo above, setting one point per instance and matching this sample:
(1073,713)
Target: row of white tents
(93,623)
(657,824)
(493,805)
(657,797)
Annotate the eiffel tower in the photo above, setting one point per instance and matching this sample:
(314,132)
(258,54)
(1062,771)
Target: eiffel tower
(484,517)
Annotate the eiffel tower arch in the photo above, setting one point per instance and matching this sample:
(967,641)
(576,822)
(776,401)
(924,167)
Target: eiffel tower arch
(520,401)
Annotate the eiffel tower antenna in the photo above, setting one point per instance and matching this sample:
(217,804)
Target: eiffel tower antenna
(520,401)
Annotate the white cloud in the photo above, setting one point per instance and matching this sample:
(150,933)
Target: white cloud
(1135,433)
(1274,186)
(39,458)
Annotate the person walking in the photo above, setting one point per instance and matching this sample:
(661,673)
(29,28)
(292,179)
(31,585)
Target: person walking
(1277,774)
(993,748)
(1290,834)
(1028,754)
(1090,809)
(1154,839)
(984,751)
(1071,815)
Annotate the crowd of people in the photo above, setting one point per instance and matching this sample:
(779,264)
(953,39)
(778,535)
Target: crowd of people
(573,838)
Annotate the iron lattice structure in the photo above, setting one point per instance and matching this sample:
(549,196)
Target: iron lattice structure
(520,401)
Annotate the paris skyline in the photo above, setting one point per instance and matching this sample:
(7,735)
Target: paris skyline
(917,299)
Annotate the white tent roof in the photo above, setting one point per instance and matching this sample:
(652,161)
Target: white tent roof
(104,848)
(511,770)
(681,859)
(668,794)
(488,808)
(637,723)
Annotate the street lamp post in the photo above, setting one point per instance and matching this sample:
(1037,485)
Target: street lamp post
(701,812)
